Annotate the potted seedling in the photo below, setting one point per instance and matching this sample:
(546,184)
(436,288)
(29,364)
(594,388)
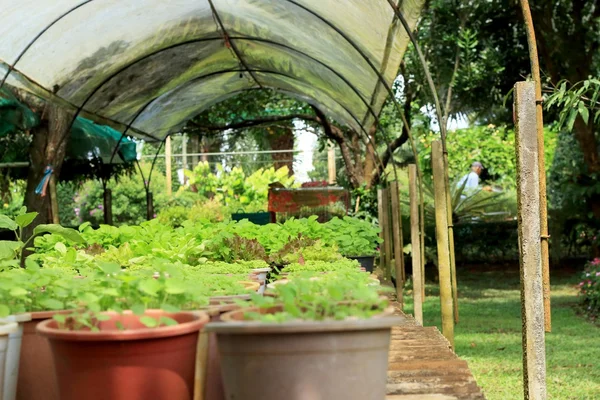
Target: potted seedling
(143,348)
(357,239)
(26,298)
(328,337)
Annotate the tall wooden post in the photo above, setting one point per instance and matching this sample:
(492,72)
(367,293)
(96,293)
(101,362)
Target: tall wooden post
(441,233)
(415,239)
(381,228)
(169,173)
(53,199)
(184,157)
(331,164)
(385,249)
(530,255)
(398,242)
(149,205)
(451,239)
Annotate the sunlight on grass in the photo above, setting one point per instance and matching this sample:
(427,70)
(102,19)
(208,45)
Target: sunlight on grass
(489,336)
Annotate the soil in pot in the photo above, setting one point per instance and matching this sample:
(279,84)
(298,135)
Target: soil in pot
(37,378)
(333,360)
(137,363)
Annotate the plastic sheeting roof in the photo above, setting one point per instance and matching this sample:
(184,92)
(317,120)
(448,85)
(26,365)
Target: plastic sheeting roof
(154,64)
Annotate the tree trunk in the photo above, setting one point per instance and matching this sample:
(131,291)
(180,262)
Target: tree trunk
(282,139)
(48,147)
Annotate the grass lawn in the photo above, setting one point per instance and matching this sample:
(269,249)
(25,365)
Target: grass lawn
(489,334)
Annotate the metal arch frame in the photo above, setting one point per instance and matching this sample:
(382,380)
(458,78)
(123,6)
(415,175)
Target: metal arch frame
(332,26)
(181,87)
(227,38)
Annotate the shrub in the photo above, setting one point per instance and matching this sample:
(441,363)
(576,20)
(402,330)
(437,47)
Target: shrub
(589,288)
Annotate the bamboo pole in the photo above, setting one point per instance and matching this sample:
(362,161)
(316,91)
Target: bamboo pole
(451,238)
(398,245)
(530,254)
(108,215)
(381,228)
(387,237)
(169,174)
(331,164)
(443,249)
(415,239)
(541,163)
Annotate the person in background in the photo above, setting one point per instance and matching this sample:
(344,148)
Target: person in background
(470,182)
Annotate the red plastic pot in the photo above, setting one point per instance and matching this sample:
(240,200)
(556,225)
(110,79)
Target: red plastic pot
(137,363)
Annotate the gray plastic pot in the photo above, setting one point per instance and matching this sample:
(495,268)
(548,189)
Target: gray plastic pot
(13,356)
(6,329)
(331,360)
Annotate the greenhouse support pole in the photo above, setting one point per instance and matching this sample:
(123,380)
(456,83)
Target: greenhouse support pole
(544,237)
(149,205)
(387,237)
(331,164)
(53,200)
(441,233)
(398,245)
(381,230)
(415,239)
(108,215)
(168,172)
(530,255)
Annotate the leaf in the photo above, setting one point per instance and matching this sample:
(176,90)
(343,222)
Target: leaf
(8,249)
(17,291)
(170,308)
(52,304)
(24,220)
(60,247)
(149,321)
(31,264)
(109,267)
(7,223)
(138,309)
(168,321)
(61,318)
(102,317)
(584,112)
(173,286)
(150,286)
(4,311)
(67,233)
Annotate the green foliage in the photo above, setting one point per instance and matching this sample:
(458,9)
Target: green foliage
(129,198)
(355,237)
(493,146)
(589,289)
(333,296)
(343,264)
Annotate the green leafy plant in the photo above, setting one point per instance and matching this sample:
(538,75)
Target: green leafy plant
(354,237)
(335,296)
(589,289)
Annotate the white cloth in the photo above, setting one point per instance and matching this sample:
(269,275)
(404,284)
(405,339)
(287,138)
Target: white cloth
(472,181)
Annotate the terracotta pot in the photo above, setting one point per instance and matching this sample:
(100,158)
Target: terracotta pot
(209,380)
(304,359)
(137,363)
(37,378)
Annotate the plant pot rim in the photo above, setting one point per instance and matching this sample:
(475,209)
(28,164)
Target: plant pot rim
(48,329)
(218,309)
(362,256)
(36,315)
(6,328)
(22,317)
(259,270)
(229,325)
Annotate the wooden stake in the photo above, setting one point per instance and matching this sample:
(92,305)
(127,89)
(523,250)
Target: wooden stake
(53,199)
(331,164)
(149,206)
(530,255)
(398,242)
(415,240)
(169,174)
(387,235)
(535,73)
(443,249)
(381,228)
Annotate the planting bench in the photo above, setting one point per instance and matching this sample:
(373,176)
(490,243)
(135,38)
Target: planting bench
(422,366)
